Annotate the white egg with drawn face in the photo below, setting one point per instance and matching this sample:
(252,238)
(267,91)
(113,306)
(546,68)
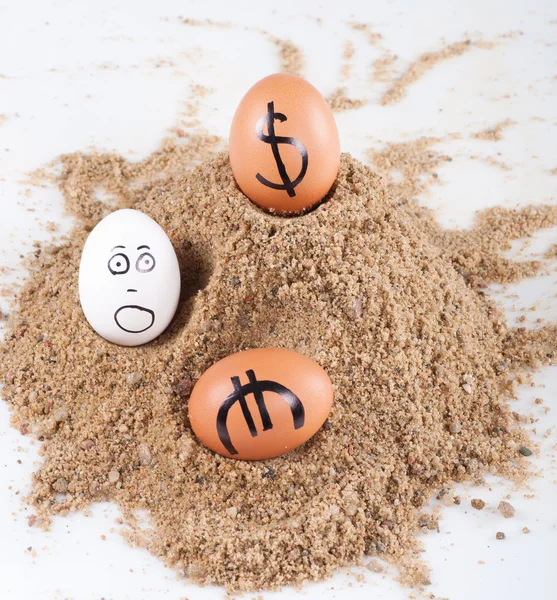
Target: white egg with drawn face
(129,278)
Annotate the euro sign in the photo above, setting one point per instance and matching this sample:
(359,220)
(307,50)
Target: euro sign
(257,388)
(274,140)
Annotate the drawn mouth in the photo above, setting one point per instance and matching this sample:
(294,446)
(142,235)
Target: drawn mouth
(134,319)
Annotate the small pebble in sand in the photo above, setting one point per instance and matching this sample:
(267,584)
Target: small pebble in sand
(60,485)
(525,451)
(500,535)
(477,504)
(144,454)
(455,426)
(113,476)
(375,566)
(60,415)
(269,472)
(448,500)
(134,378)
(506,509)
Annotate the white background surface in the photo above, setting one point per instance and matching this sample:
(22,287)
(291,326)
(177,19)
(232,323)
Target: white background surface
(74,75)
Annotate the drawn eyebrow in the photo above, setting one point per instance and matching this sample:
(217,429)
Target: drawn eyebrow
(141,247)
(117,247)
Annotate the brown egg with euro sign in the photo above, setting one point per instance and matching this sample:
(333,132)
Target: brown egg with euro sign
(284,145)
(260,403)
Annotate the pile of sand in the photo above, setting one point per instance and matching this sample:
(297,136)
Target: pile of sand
(366,285)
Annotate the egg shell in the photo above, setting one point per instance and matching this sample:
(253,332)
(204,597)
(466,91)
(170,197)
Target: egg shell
(296,393)
(129,278)
(300,113)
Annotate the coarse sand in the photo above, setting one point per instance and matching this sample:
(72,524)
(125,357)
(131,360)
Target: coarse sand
(367,284)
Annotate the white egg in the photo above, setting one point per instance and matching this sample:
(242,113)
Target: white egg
(129,278)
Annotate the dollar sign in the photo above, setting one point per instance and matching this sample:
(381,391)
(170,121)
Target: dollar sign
(274,140)
(256,388)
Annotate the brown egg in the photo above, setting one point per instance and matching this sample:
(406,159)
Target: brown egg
(284,145)
(260,403)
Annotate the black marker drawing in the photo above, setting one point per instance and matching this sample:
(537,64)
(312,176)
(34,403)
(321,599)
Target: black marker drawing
(256,388)
(146,262)
(119,264)
(274,140)
(134,307)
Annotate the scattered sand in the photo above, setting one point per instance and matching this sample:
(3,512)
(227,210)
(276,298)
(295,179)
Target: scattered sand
(414,162)
(347,56)
(410,167)
(339,101)
(418,68)
(292,59)
(494,134)
(207,23)
(493,162)
(372,36)
(188,116)
(383,67)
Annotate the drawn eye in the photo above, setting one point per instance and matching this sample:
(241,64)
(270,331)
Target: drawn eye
(119,264)
(145,263)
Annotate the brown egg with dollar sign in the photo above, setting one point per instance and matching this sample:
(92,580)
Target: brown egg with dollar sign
(284,145)
(261,403)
